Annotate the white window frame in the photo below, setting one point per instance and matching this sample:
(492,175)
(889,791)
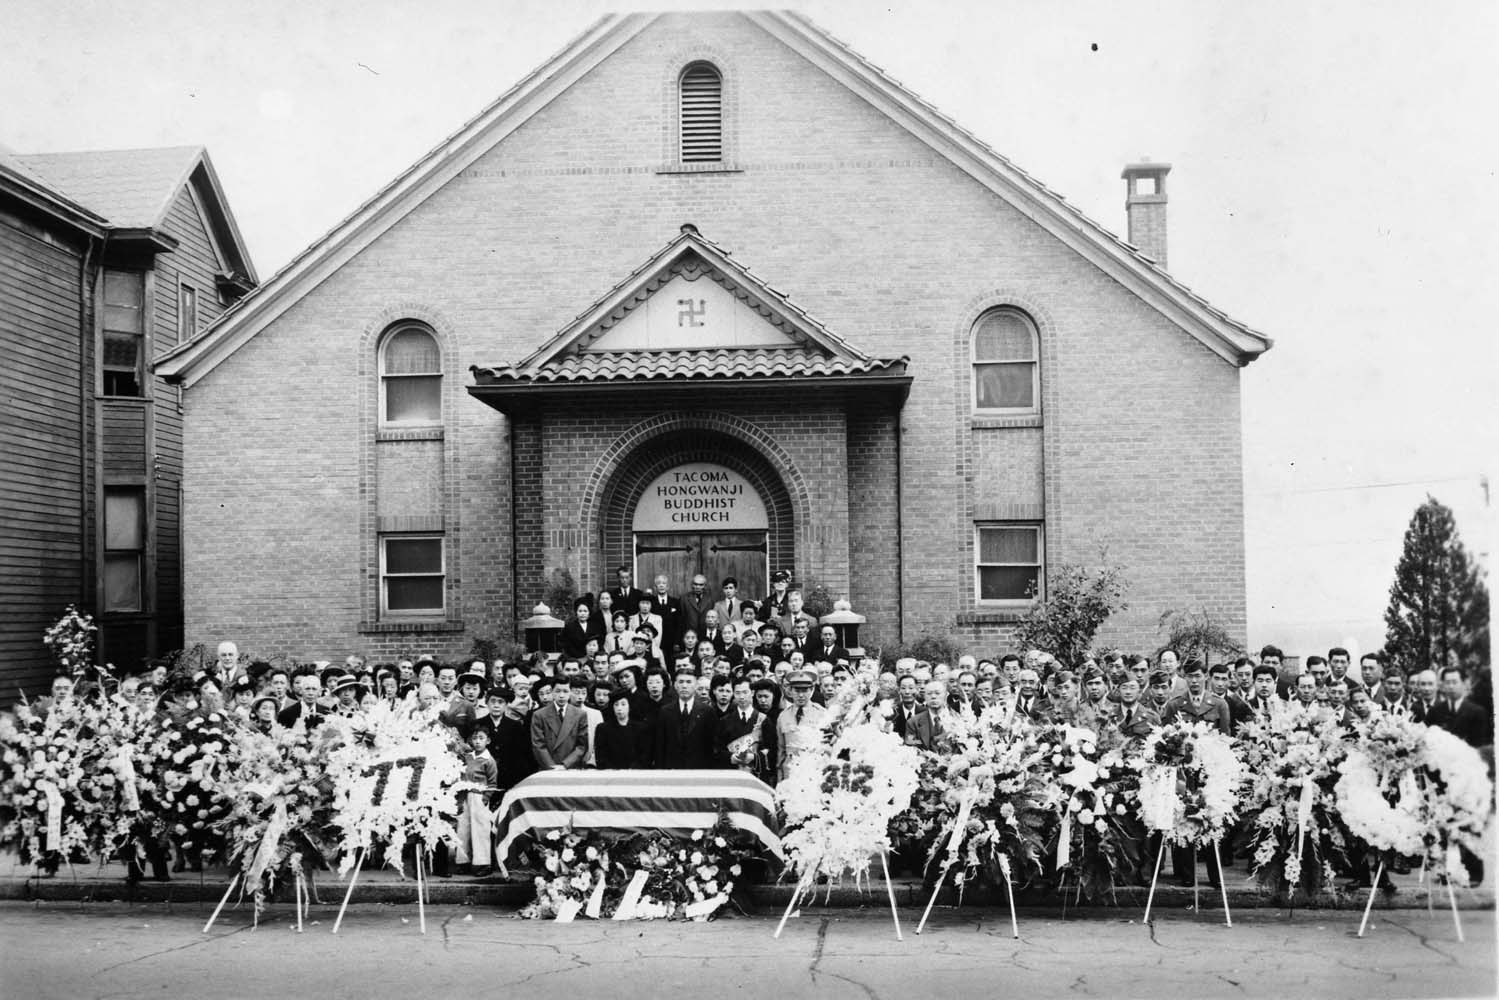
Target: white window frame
(187,312)
(1040,564)
(385,342)
(137,493)
(974,363)
(423,613)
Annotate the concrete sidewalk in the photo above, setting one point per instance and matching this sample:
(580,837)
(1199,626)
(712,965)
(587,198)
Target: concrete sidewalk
(108,883)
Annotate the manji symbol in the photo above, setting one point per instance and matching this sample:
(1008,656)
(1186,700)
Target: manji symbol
(690,315)
(383,769)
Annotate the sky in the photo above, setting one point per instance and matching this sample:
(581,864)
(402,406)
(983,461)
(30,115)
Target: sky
(1333,186)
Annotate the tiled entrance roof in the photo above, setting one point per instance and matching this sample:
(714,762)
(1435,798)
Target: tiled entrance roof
(677,366)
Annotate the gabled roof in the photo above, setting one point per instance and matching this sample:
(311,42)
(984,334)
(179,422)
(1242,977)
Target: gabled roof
(1230,339)
(22,181)
(578,355)
(134,189)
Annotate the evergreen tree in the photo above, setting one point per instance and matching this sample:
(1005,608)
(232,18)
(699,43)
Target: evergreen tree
(1439,607)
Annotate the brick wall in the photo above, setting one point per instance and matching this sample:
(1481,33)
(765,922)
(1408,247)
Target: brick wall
(888,245)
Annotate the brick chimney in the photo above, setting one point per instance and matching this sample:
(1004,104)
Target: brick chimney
(1145,205)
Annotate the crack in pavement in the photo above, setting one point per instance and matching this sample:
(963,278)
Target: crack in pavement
(447,942)
(1150,925)
(1235,984)
(1425,941)
(822,940)
(168,951)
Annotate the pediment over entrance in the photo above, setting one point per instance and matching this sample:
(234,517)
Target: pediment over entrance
(691,314)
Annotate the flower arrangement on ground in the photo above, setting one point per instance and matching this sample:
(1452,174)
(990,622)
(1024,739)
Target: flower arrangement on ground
(394,781)
(67,781)
(1189,782)
(639,876)
(279,826)
(1289,802)
(1457,803)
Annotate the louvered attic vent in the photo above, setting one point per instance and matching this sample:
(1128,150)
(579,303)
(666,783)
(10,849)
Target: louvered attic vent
(702,114)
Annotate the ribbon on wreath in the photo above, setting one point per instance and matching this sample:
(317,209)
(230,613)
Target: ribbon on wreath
(124,768)
(269,841)
(1064,839)
(54,813)
(1158,799)
(1304,812)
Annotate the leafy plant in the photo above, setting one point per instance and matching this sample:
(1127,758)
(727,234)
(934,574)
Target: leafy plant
(1079,601)
(1195,635)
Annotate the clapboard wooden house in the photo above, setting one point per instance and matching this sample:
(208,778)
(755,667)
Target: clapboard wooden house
(108,259)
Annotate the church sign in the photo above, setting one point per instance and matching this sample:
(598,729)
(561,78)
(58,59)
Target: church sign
(700,495)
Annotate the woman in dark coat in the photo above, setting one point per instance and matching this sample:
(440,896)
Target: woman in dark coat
(619,742)
(510,743)
(578,630)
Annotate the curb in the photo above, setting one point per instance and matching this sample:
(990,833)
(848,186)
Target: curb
(515,893)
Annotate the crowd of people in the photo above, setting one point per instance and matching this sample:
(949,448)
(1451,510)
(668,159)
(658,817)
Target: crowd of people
(707,680)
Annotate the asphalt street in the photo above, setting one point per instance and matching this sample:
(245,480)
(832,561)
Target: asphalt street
(112,950)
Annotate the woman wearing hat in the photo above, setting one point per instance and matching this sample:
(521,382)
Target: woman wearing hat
(263,714)
(241,697)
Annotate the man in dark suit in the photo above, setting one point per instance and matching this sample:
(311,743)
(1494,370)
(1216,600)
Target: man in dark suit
(1197,705)
(684,729)
(696,603)
(305,709)
(828,650)
(1392,697)
(1265,703)
(669,610)
(906,704)
(625,595)
(927,726)
(559,733)
(730,748)
(1028,701)
(1423,694)
(1457,713)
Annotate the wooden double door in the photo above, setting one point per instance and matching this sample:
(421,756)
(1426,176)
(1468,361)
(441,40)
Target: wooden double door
(742,555)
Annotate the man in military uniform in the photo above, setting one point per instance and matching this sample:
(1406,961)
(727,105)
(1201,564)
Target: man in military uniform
(799,728)
(777,603)
(1198,704)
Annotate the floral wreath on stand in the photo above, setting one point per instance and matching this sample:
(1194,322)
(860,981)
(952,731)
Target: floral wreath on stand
(1189,782)
(1289,801)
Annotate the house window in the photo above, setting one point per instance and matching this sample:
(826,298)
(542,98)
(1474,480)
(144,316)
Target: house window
(410,378)
(411,576)
(701,113)
(124,333)
(1006,368)
(124,548)
(1009,562)
(187,313)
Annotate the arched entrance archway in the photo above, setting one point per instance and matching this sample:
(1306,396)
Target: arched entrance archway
(640,467)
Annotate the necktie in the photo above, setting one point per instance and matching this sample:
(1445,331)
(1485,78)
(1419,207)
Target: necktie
(799,711)
(1129,716)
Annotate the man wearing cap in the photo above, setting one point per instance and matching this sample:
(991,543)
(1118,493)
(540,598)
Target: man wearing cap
(777,603)
(799,728)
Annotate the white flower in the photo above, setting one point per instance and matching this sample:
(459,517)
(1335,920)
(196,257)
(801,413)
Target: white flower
(1101,826)
(1119,809)
(720,842)
(697,858)
(1086,816)
(697,835)
(734,870)
(592,854)
(568,855)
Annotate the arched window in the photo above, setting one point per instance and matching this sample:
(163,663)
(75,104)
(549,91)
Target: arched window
(410,377)
(701,113)
(1006,363)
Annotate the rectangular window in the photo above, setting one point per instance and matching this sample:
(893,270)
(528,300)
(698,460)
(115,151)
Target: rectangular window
(1008,562)
(124,548)
(411,576)
(124,333)
(187,313)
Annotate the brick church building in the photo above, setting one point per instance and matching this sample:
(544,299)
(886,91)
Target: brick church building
(709,293)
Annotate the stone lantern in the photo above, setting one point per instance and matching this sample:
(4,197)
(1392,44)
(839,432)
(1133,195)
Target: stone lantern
(542,631)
